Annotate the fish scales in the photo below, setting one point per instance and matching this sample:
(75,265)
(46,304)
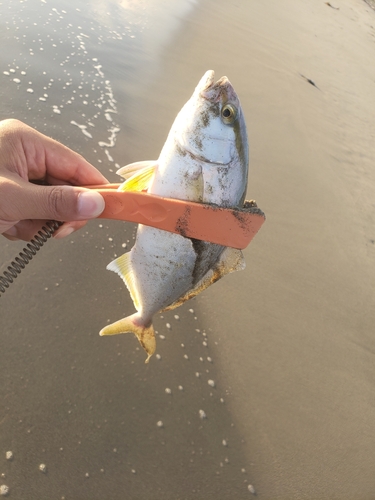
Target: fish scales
(205,160)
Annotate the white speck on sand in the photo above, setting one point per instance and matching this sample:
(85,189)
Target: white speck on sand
(202,414)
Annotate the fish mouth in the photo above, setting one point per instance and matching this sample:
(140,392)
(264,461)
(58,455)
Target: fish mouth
(207,81)
(222,90)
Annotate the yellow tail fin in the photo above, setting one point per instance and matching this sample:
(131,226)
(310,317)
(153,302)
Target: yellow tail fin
(133,324)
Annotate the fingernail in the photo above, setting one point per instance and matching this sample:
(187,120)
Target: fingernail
(63,232)
(90,204)
(12,232)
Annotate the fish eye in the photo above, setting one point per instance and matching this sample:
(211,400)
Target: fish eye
(229,113)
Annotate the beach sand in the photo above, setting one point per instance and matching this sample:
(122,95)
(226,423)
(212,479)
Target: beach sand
(291,339)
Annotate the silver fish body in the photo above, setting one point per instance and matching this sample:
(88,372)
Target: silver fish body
(204,159)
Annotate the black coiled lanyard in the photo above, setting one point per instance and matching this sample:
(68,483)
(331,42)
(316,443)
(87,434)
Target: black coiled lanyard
(24,257)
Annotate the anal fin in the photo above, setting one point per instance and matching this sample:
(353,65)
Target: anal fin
(122,266)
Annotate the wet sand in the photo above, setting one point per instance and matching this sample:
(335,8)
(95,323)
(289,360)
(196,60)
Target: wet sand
(290,340)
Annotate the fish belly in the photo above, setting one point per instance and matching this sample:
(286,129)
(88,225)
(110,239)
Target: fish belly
(163,265)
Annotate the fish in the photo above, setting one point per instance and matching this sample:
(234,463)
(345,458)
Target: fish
(205,159)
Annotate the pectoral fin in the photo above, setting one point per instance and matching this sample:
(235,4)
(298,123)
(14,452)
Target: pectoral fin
(138,175)
(230,260)
(135,167)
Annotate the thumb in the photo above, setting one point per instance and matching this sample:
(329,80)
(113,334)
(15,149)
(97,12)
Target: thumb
(64,203)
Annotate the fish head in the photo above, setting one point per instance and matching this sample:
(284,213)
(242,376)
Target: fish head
(211,125)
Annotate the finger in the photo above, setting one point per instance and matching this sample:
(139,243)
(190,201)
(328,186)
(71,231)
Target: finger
(25,230)
(23,200)
(68,228)
(63,164)
(8,237)
(28,229)
(36,156)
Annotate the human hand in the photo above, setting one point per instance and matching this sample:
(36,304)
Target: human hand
(27,155)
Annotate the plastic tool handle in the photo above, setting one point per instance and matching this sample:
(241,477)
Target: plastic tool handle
(224,226)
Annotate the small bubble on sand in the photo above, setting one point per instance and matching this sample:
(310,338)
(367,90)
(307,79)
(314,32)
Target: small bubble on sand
(16,80)
(191,310)
(197,374)
(157,356)
(186,356)
(221,400)
(168,390)
(211,383)
(162,337)
(43,468)
(9,455)
(159,424)
(87,474)
(209,359)
(4,490)
(224,442)
(6,73)
(180,388)
(202,415)
(204,343)
(251,488)
(176,316)
(243,471)
(168,325)
(133,471)
(123,245)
